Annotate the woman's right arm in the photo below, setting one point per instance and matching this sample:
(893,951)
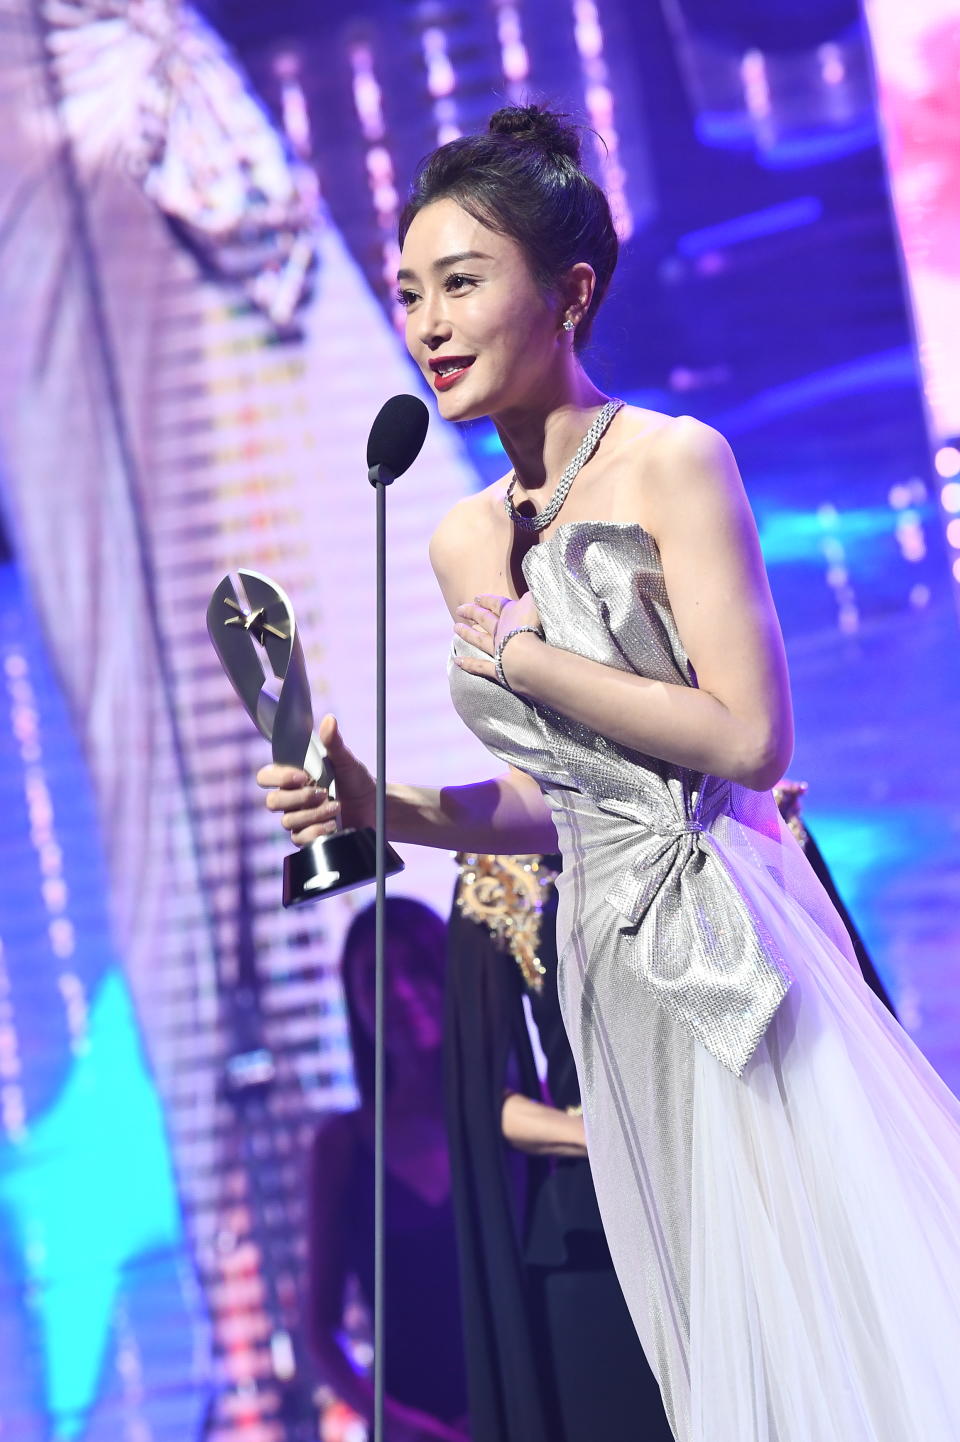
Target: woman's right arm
(506,814)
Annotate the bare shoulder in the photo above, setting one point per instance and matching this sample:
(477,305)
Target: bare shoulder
(467,528)
(457,526)
(685,463)
(683,440)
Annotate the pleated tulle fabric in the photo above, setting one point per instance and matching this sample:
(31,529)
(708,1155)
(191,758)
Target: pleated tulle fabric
(777,1166)
(825,1250)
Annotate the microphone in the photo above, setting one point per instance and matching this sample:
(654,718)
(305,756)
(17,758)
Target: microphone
(396,438)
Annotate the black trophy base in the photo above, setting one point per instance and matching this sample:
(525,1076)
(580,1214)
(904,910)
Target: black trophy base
(333,864)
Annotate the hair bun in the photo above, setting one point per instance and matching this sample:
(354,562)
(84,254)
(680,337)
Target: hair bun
(541,127)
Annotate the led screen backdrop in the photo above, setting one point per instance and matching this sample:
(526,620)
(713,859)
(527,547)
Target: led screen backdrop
(159,430)
(917,48)
(173,404)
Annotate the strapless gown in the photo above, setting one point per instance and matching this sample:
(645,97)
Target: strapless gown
(777,1166)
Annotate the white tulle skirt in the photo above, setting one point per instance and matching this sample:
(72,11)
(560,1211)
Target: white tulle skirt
(788,1241)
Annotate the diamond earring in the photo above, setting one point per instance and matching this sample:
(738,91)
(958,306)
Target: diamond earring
(568,324)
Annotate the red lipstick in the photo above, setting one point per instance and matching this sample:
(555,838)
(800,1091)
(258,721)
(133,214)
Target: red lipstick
(447,370)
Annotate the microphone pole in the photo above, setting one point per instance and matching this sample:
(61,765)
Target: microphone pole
(395,441)
(384,479)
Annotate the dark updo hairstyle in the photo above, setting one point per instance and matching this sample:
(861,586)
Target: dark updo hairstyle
(524,179)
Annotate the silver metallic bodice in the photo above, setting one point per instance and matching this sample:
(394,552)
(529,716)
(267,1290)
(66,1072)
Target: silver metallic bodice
(659,846)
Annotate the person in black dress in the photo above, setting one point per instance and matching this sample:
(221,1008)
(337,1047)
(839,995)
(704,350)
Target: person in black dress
(425,1385)
(552,1355)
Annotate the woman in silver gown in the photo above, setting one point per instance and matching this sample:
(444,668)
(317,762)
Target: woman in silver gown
(777,1167)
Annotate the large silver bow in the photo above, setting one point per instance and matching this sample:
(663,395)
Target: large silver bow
(696,941)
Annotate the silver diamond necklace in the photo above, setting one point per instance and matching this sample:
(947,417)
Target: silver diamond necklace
(584,451)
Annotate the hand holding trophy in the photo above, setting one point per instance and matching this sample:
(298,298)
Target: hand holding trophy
(251,623)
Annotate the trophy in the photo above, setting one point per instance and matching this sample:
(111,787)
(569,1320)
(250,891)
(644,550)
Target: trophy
(251,624)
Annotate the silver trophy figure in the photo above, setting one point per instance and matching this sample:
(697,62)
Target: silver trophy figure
(251,624)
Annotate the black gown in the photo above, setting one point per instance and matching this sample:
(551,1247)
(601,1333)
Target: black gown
(552,1355)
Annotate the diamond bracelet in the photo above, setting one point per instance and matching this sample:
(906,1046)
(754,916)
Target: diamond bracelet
(498,654)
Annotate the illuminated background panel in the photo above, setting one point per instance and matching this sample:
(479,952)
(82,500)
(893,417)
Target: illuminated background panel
(917,52)
(190,440)
(99,1305)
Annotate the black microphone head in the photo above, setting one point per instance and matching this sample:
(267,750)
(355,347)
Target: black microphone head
(396,437)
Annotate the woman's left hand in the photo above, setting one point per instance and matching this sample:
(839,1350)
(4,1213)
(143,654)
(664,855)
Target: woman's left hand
(485,621)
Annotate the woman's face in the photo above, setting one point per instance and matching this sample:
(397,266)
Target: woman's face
(479,327)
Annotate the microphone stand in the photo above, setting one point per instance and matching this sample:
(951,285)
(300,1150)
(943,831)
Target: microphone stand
(380,477)
(406,418)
